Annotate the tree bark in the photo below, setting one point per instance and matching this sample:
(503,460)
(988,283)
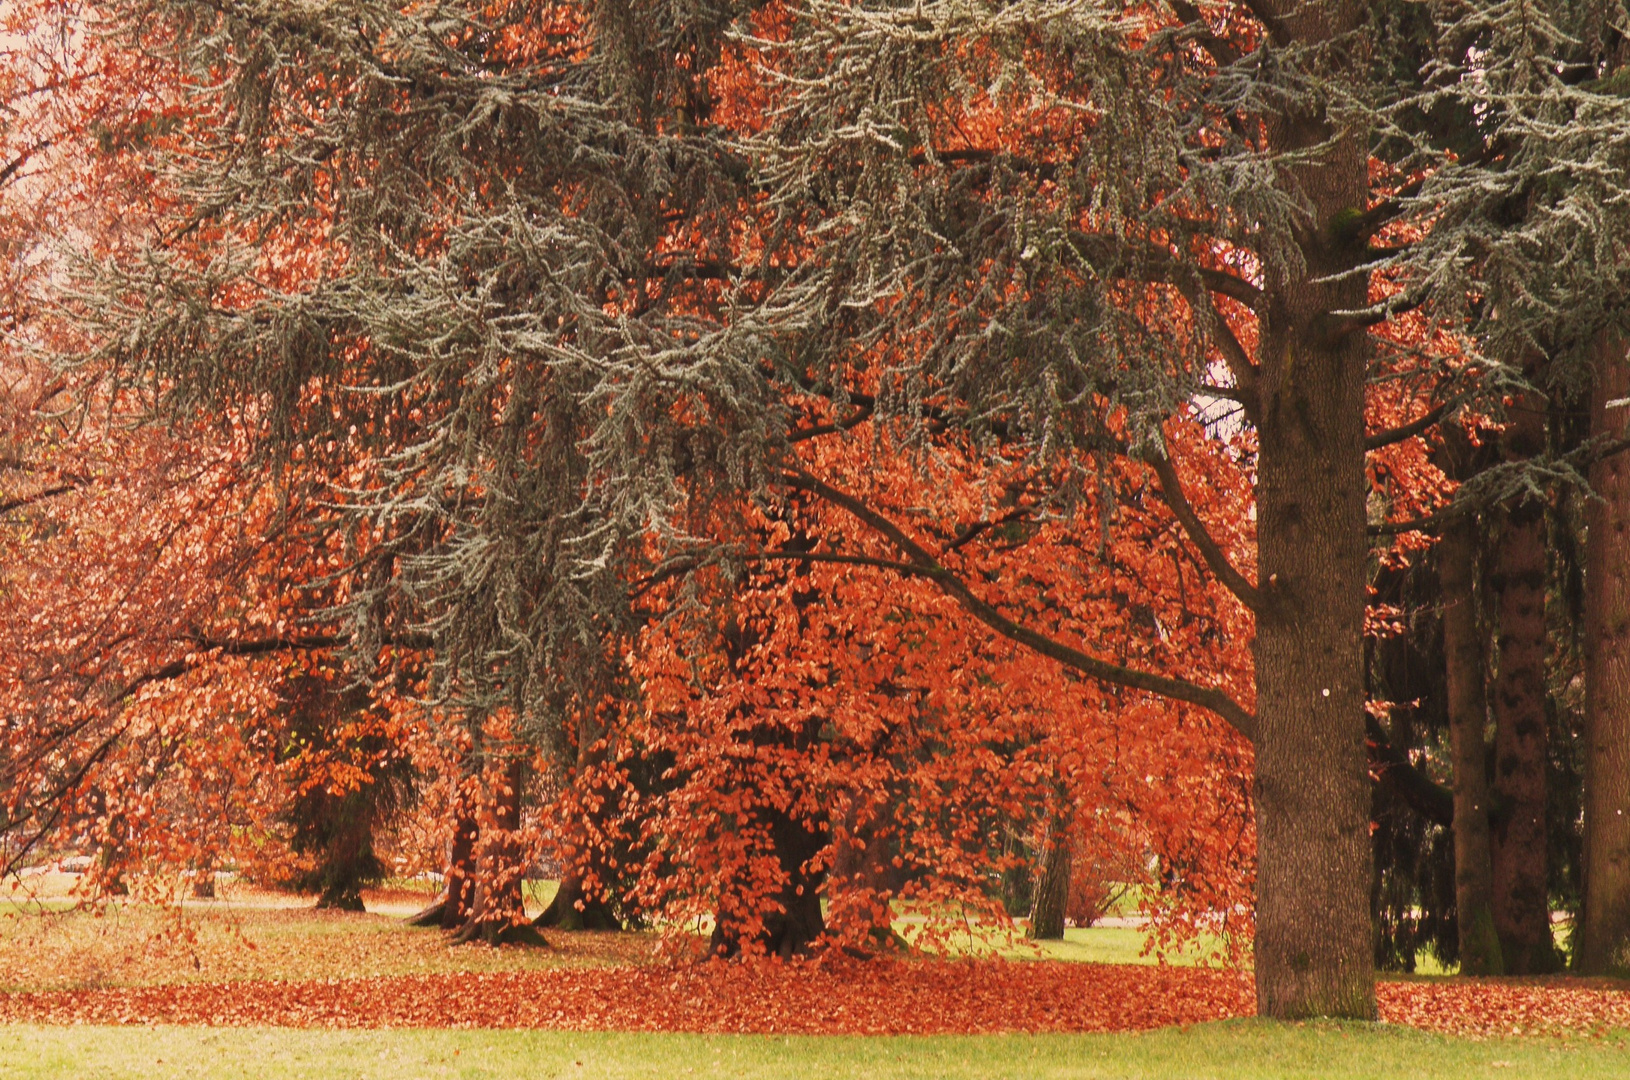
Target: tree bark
(1521,881)
(1314,953)
(863,881)
(574,909)
(497,913)
(797,922)
(1053,884)
(452,908)
(1468,717)
(1603,942)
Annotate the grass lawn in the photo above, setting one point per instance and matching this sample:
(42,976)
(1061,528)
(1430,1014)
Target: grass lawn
(1242,1049)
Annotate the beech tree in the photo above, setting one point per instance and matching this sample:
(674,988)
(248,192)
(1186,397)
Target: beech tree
(594,273)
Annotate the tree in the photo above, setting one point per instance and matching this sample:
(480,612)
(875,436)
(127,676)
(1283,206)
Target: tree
(1602,941)
(348,773)
(601,269)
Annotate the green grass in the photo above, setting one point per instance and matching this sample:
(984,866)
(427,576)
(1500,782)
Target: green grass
(1234,1050)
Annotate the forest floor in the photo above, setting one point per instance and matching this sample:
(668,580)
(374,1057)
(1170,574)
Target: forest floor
(263,963)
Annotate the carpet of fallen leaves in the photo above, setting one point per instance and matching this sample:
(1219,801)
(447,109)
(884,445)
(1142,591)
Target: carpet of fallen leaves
(1497,1007)
(270,960)
(851,998)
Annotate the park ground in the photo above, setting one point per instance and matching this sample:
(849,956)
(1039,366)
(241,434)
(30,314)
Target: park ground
(258,985)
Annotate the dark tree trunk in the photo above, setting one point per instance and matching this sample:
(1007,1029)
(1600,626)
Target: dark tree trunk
(1603,941)
(863,880)
(339,897)
(1314,948)
(1314,956)
(497,914)
(451,910)
(1052,885)
(1468,717)
(1314,953)
(794,928)
(203,884)
(573,909)
(1521,884)
(346,857)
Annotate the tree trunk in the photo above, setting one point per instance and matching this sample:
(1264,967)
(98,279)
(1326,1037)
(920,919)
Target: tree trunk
(451,910)
(1314,956)
(573,909)
(863,881)
(1053,885)
(1521,884)
(497,915)
(793,929)
(346,857)
(1468,717)
(1314,953)
(203,882)
(1314,948)
(1602,945)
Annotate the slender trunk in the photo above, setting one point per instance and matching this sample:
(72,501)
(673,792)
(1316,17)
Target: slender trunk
(1521,882)
(460,899)
(498,913)
(1603,942)
(1468,717)
(1053,884)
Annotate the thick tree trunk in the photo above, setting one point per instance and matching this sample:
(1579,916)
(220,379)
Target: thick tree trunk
(1314,956)
(792,929)
(1052,885)
(1314,953)
(1314,948)
(346,857)
(1602,945)
(1521,883)
(1468,717)
(863,881)
(452,908)
(573,909)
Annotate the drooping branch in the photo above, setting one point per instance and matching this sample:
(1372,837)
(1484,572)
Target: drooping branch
(921,563)
(1578,460)
(1171,490)
(1411,429)
(1221,50)
(1155,263)
(22,501)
